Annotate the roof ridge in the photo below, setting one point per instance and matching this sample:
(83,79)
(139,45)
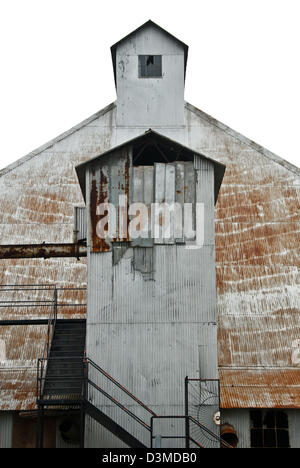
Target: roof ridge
(60,137)
(265,152)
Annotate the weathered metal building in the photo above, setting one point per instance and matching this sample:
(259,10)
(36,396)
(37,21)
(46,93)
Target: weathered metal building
(154,309)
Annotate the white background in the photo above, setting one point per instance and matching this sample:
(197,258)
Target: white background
(243,66)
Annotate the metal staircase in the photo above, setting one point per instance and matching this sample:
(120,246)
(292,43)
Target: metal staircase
(112,426)
(67,379)
(64,381)
(64,371)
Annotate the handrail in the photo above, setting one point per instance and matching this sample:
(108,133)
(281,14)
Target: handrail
(208,431)
(51,321)
(195,442)
(222,442)
(42,363)
(120,405)
(88,360)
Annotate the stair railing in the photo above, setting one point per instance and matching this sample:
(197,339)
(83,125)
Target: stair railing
(51,323)
(89,382)
(50,332)
(186,435)
(115,387)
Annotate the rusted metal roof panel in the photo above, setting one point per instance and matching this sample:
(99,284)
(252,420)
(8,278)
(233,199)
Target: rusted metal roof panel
(257,255)
(18,370)
(37,198)
(18,389)
(257,224)
(260,388)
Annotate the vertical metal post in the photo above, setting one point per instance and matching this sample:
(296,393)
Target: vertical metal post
(82,424)
(157,441)
(83,397)
(219,404)
(55,306)
(187,421)
(40,427)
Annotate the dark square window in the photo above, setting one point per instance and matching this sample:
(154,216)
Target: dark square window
(269,429)
(150,66)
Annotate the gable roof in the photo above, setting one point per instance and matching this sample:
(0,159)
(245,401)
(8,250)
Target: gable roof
(55,140)
(252,144)
(156,26)
(238,136)
(254,340)
(219,169)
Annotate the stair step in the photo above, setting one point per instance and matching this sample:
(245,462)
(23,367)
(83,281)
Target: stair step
(67,342)
(64,384)
(62,391)
(65,370)
(70,333)
(65,378)
(70,324)
(61,369)
(66,346)
(69,339)
(69,327)
(65,364)
(60,363)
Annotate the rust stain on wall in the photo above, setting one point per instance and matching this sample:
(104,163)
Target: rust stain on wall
(257,260)
(260,388)
(98,195)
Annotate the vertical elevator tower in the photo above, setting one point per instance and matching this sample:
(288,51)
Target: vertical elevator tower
(151,316)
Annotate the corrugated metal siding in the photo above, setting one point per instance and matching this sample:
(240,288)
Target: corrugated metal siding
(60,443)
(240,420)
(257,263)
(37,198)
(96,436)
(6,426)
(160,102)
(294,428)
(107,180)
(165,184)
(80,224)
(147,334)
(257,231)
(143,192)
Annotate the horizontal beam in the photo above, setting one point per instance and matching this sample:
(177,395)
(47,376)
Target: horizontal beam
(42,251)
(38,321)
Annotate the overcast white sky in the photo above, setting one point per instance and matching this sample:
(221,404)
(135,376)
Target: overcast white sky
(243,66)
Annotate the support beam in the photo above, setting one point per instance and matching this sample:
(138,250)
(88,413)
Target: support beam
(42,251)
(26,322)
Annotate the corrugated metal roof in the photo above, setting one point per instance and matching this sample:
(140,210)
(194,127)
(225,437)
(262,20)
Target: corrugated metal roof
(18,389)
(257,254)
(37,198)
(260,388)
